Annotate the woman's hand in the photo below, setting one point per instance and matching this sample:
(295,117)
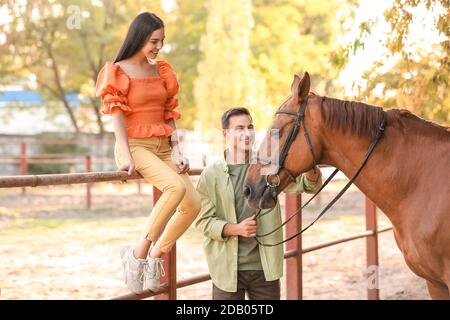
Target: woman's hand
(128,166)
(183,165)
(178,159)
(181,162)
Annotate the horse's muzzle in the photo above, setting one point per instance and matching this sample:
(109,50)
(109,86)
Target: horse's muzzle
(247,191)
(260,197)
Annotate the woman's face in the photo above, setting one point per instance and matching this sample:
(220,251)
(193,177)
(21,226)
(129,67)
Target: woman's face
(154,43)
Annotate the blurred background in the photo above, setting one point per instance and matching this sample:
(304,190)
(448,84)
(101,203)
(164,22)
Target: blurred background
(391,53)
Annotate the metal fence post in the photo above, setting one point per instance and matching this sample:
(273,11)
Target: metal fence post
(23,162)
(139,187)
(294,279)
(88,168)
(373,291)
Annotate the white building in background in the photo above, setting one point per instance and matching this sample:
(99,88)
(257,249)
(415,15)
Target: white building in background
(25,117)
(25,112)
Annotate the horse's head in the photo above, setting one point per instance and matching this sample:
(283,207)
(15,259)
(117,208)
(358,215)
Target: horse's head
(269,175)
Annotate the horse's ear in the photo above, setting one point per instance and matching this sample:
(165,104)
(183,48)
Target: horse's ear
(304,86)
(294,85)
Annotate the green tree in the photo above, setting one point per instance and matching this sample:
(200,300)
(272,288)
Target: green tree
(63,45)
(225,75)
(294,36)
(185,25)
(411,84)
(418,81)
(225,53)
(33,34)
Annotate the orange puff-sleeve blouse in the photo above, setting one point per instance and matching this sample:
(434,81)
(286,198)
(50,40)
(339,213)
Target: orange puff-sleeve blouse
(147,102)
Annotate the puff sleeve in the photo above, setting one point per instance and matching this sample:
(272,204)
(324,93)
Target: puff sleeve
(171,83)
(112,87)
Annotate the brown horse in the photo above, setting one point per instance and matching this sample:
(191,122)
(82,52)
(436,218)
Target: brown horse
(407,176)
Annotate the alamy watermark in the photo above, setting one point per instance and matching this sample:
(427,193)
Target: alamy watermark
(373,277)
(74,19)
(240,147)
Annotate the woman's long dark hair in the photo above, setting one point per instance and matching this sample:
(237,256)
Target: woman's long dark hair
(138,32)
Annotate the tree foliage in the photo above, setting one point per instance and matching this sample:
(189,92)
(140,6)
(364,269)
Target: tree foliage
(226,53)
(419,80)
(62,46)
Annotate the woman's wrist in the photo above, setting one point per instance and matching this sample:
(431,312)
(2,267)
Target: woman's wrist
(173,143)
(175,147)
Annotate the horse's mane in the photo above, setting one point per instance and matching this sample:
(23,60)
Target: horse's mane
(351,116)
(401,114)
(364,119)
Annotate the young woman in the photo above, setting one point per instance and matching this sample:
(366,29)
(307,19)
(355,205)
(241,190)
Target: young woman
(139,92)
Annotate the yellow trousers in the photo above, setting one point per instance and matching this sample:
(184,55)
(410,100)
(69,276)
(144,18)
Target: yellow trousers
(179,203)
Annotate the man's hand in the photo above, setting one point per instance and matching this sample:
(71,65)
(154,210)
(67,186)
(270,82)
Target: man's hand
(313,176)
(246,228)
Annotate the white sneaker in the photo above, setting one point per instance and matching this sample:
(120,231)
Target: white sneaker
(153,271)
(133,269)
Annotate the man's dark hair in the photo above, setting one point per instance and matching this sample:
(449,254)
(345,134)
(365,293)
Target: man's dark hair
(233,112)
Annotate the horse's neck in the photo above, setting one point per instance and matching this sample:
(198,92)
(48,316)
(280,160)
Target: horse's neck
(383,177)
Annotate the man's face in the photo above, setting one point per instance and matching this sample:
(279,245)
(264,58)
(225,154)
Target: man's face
(240,134)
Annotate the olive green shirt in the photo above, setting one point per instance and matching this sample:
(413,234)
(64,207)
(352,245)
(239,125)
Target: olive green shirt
(248,251)
(218,208)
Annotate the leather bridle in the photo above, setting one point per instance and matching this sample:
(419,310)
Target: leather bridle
(298,122)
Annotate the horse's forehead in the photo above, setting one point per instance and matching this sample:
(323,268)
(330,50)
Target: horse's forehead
(286,103)
(280,120)
(293,102)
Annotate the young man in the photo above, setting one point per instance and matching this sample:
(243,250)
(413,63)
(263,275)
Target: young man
(236,262)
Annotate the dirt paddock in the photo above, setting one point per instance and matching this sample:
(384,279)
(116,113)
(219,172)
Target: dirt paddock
(51,247)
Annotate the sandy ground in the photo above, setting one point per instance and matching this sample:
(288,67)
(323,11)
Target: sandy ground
(51,247)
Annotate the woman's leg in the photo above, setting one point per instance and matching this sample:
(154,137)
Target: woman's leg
(173,190)
(184,216)
(163,177)
(187,210)
(153,161)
